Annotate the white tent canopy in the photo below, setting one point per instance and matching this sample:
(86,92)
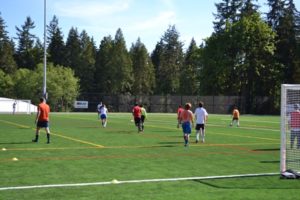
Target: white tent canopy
(21,106)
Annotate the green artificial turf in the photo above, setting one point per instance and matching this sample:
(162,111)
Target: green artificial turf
(82,151)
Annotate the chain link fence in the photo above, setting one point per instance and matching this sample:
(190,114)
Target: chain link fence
(164,103)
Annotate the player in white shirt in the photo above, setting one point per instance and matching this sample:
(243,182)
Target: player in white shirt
(103,115)
(201,118)
(99,106)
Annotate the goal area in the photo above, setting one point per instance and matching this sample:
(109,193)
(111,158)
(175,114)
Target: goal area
(16,106)
(290,128)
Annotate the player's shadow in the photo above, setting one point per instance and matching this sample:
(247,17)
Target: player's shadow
(246,186)
(169,144)
(27,142)
(270,161)
(275,149)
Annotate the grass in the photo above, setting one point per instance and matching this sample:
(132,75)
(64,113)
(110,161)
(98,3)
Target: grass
(81,151)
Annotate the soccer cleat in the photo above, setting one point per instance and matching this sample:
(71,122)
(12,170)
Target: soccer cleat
(197,141)
(34,140)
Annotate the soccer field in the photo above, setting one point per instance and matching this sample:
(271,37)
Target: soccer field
(86,161)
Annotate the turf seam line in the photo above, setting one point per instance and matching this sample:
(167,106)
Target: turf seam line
(114,181)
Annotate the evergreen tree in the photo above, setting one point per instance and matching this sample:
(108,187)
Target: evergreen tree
(56,47)
(156,57)
(87,62)
(24,55)
(73,51)
(143,70)
(102,68)
(275,13)
(170,62)
(120,66)
(249,8)
(228,11)
(285,26)
(7,62)
(189,76)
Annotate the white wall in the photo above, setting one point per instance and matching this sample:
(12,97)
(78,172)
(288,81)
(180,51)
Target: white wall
(6,106)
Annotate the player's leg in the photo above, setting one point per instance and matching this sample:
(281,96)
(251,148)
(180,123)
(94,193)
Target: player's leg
(142,122)
(48,134)
(138,120)
(298,139)
(203,133)
(37,133)
(293,135)
(197,132)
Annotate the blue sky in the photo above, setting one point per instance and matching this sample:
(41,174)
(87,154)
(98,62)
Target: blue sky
(147,19)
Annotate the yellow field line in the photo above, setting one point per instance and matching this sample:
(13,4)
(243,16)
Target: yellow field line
(77,140)
(59,135)
(11,123)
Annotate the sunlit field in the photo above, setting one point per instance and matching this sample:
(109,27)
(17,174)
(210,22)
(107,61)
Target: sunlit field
(86,161)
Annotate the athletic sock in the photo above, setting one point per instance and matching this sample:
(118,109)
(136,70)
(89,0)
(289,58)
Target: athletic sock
(48,138)
(36,138)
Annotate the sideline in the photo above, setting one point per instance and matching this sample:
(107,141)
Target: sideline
(114,181)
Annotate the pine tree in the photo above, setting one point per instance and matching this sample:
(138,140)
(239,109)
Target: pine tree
(275,13)
(143,70)
(228,11)
(56,47)
(189,76)
(24,54)
(170,62)
(87,62)
(73,51)
(102,69)
(120,66)
(285,26)
(7,62)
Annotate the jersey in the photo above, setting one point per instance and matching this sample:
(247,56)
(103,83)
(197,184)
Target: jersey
(179,110)
(103,110)
(44,111)
(143,112)
(200,115)
(136,111)
(295,120)
(236,114)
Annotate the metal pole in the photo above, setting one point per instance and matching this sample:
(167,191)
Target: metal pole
(45,56)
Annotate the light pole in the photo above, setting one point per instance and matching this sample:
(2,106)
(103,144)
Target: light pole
(45,95)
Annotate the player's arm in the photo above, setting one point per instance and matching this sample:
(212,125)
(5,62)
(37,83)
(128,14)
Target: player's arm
(37,115)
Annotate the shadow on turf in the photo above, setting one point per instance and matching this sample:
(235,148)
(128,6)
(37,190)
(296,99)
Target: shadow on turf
(246,186)
(277,149)
(30,142)
(270,161)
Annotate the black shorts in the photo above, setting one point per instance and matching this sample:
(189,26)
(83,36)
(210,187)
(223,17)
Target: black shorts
(198,126)
(137,120)
(43,124)
(142,118)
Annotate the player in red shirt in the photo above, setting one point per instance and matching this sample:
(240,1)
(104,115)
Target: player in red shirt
(179,110)
(137,115)
(294,123)
(42,120)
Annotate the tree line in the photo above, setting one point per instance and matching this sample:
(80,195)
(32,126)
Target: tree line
(249,54)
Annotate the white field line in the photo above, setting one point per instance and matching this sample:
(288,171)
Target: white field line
(136,181)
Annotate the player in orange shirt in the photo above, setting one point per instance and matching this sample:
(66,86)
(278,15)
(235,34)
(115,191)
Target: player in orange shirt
(42,120)
(235,116)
